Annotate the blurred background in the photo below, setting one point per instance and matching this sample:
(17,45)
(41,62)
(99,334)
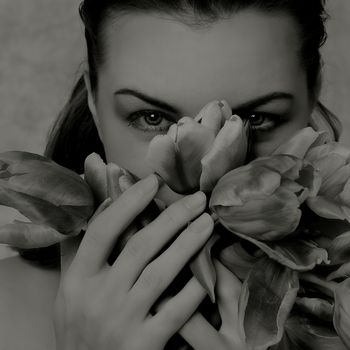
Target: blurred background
(42,47)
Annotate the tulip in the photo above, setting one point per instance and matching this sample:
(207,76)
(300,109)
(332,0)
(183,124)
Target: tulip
(55,200)
(261,199)
(108,182)
(303,333)
(341,319)
(333,198)
(195,153)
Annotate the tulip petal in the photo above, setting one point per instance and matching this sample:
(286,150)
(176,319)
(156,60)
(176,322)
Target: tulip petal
(266,300)
(300,143)
(226,109)
(95,176)
(114,172)
(237,260)
(211,116)
(203,268)
(320,284)
(241,184)
(323,207)
(296,254)
(339,251)
(342,272)
(49,182)
(303,333)
(27,235)
(11,157)
(317,307)
(162,159)
(227,152)
(341,319)
(270,218)
(45,213)
(193,142)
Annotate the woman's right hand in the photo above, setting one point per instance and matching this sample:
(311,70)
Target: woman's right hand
(103,307)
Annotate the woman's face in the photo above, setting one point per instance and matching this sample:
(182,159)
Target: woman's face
(157,70)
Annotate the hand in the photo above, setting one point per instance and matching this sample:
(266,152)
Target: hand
(105,307)
(201,335)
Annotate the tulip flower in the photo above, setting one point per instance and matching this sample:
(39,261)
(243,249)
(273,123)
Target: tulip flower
(262,199)
(341,318)
(195,153)
(302,332)
(55,200)
(333,198)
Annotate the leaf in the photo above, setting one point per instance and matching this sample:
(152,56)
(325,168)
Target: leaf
(203,268)
(267,297)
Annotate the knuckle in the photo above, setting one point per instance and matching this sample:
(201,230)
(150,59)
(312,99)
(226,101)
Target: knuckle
(151,279)
(134,247)
(173,317)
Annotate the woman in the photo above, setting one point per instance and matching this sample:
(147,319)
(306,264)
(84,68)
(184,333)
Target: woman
(149,64)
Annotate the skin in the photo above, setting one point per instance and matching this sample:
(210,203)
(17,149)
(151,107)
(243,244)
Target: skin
(238,59)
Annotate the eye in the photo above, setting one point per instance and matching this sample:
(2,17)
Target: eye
(262,121)
(150,120)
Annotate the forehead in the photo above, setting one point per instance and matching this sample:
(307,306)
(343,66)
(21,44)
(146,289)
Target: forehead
(244,54)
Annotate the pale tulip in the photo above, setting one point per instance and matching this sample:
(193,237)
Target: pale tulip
(333,199)
(54,199)
(195,153)
(262,199)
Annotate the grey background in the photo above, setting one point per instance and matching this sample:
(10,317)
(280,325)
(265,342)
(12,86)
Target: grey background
(42,46)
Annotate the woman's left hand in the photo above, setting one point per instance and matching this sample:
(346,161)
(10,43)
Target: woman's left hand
(201,335)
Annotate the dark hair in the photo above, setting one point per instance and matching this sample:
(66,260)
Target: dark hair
(74,135)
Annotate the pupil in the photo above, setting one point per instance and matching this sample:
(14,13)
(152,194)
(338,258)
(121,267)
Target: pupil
(256,119)
(153,119)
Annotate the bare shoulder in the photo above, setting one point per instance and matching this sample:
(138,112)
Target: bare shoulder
(27,295)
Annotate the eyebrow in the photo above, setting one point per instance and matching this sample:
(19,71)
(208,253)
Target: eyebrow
(259,101)
(151,100)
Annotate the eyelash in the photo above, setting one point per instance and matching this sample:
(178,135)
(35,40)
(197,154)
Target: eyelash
(134,121)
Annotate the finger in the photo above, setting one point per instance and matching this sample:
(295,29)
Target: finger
(173,312)
(144,245)
(159,274)
(200,334)
(228,288)
(103,232)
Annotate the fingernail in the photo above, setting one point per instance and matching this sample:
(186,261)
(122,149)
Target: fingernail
(234,117)
(221,105)
(202,224)
(196,200)
(149,184)
(161,181)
